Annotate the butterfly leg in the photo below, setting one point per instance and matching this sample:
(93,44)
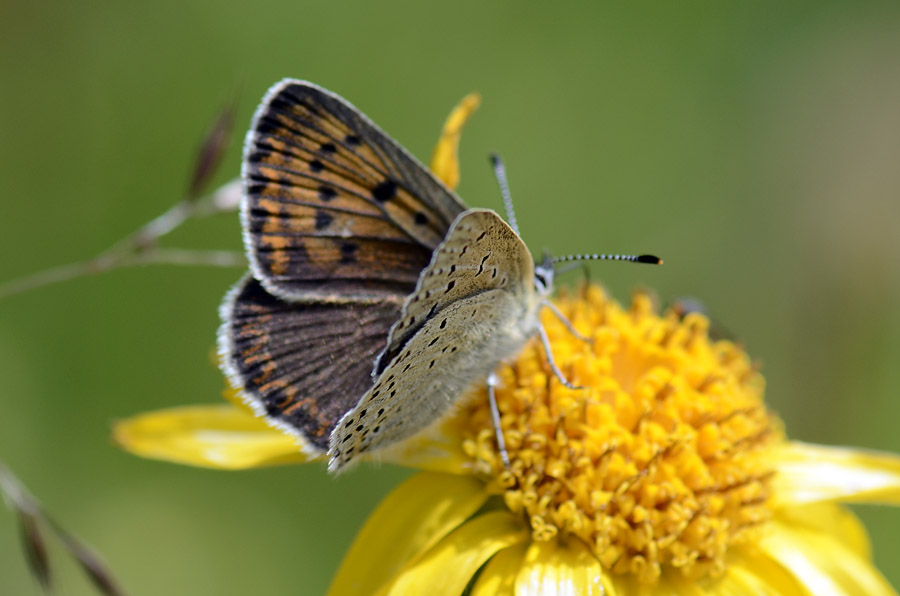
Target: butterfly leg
(565,321)
(545,341)
(495,415)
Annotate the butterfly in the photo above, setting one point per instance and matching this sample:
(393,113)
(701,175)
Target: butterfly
(376,297)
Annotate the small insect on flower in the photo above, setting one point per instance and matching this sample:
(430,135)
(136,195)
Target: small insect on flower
(376,296)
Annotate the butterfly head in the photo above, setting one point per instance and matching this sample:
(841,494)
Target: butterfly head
(543,276)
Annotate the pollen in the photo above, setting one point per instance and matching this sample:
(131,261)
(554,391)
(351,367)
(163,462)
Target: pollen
(656,460)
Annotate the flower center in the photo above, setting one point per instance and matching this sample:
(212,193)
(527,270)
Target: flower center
(658,461)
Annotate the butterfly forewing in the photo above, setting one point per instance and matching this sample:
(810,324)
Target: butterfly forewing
(334,209)
(303,365)
(482,253)
(457,342)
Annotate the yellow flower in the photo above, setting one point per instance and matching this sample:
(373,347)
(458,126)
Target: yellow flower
(666,474)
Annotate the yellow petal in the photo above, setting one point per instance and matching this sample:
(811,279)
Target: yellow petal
(746,575)
(414,517)
(445,160)
(498,578)
(739,581)
(450,565)
(831,519)
(438,451)
(668,585)
(822,563)
(568,569)
(756,573)
(807,473)
(214,436)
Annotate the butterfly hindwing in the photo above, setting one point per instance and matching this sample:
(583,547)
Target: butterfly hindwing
(301,365)
(334,209)
(424,381)
(455,344)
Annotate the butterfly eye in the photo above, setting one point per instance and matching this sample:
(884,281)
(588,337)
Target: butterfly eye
(540,281)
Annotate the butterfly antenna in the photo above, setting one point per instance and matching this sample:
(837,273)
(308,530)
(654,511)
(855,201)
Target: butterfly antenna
(500,175)
(649,259)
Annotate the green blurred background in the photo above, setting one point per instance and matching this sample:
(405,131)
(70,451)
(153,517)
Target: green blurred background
(754,146)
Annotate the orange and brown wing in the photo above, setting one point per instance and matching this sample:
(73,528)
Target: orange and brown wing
(301,365)
(334,209)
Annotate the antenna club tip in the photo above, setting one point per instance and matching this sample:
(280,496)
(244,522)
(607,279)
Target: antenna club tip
(650,259)
(495,159)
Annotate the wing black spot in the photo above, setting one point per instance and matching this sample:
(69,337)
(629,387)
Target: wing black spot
(385,191)
(450,285)
(326,193)
(421,218)
(280,102)
(481,267)
(361,414)
(266,126)
(328,148)
(443,323)
(348,252)
(352,140)
(323,220)
(431,365)
(381,411)
(483,234)
(376,429)
(316,166)
(359,428)
(265,146)
(434,341)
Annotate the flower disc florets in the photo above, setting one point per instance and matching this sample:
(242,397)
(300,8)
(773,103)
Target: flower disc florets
(659,460)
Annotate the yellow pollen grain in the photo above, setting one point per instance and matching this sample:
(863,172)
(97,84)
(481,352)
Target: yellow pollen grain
(659,462)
